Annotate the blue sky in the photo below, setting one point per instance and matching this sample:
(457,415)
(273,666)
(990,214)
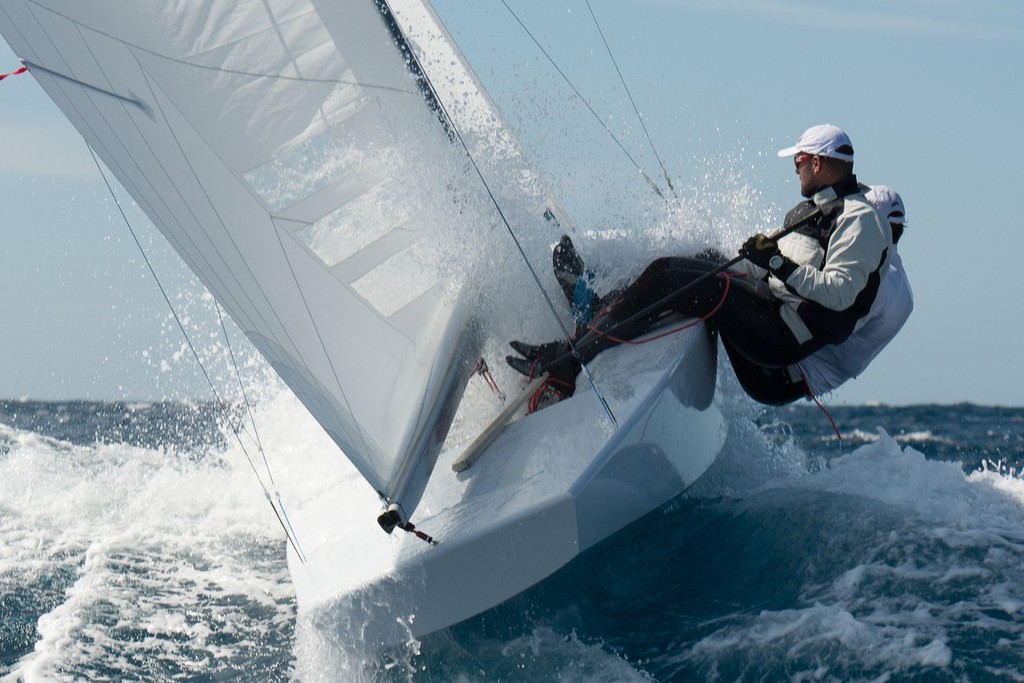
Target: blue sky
(930,93)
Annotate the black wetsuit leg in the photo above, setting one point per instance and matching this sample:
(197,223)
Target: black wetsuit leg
(649,295)
(749,317)
(760,345)
(771,386)
(752,323)
(654,289)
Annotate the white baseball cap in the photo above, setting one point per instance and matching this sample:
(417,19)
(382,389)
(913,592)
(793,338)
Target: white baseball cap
(888,202)
(825,140)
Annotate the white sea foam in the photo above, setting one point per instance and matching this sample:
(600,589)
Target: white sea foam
(810,637)
(938,491)
(159,549)
(160,545)
(752,454)
(926,570)
(546,654)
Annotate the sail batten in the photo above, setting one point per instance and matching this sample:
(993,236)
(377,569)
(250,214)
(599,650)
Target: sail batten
(295,155)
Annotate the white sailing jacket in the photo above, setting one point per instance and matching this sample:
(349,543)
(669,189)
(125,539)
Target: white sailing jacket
(834,364)
(842,257)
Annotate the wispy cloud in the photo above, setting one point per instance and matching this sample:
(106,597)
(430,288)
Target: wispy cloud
(41,150)
(949,19)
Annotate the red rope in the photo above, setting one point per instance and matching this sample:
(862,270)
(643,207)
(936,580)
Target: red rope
(485,372)
(408,526)
(534,403)
(550,386)
(810,392)
(14,73)
(704,318)
(692,323)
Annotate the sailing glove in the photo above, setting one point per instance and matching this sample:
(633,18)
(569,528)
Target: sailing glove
(764,252)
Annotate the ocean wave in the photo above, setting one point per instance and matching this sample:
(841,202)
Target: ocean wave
(135,563)
(793,557)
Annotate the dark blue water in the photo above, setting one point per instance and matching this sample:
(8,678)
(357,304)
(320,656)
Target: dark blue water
(135,546)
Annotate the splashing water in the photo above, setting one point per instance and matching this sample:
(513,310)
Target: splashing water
(124,560)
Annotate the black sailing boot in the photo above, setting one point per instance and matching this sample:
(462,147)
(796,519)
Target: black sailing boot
(558,359)
(568,266)
(555,358)
(577,283)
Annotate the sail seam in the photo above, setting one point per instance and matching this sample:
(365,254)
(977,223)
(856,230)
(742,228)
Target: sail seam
(286,527)
(198,253)
(586,103)
(194,247)
(284,253)
(234,72)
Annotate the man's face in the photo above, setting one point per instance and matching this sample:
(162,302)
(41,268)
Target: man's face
(807,166)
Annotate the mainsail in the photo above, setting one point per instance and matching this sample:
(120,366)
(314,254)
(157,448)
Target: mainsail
(281,146)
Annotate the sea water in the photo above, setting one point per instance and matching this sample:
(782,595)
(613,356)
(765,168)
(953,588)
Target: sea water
(136,544)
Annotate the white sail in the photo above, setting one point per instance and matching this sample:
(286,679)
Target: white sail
(310,160)
(282,147)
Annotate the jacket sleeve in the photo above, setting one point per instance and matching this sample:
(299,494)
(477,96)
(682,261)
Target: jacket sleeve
(855,250)
(748,269)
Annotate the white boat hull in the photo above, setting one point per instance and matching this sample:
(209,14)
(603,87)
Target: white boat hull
(552,485)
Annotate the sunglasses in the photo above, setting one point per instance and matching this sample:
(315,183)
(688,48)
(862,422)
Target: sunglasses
(801,158)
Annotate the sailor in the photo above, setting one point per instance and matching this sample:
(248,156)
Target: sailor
(831,366)
(828,368)
(785,300)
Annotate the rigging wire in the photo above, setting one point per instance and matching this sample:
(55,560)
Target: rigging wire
(822,408)
(664,171)
(586,103)
(284,253)
(551,385)
(493,199)
(241,387)
(286,526)
(255,431)
(508,227)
